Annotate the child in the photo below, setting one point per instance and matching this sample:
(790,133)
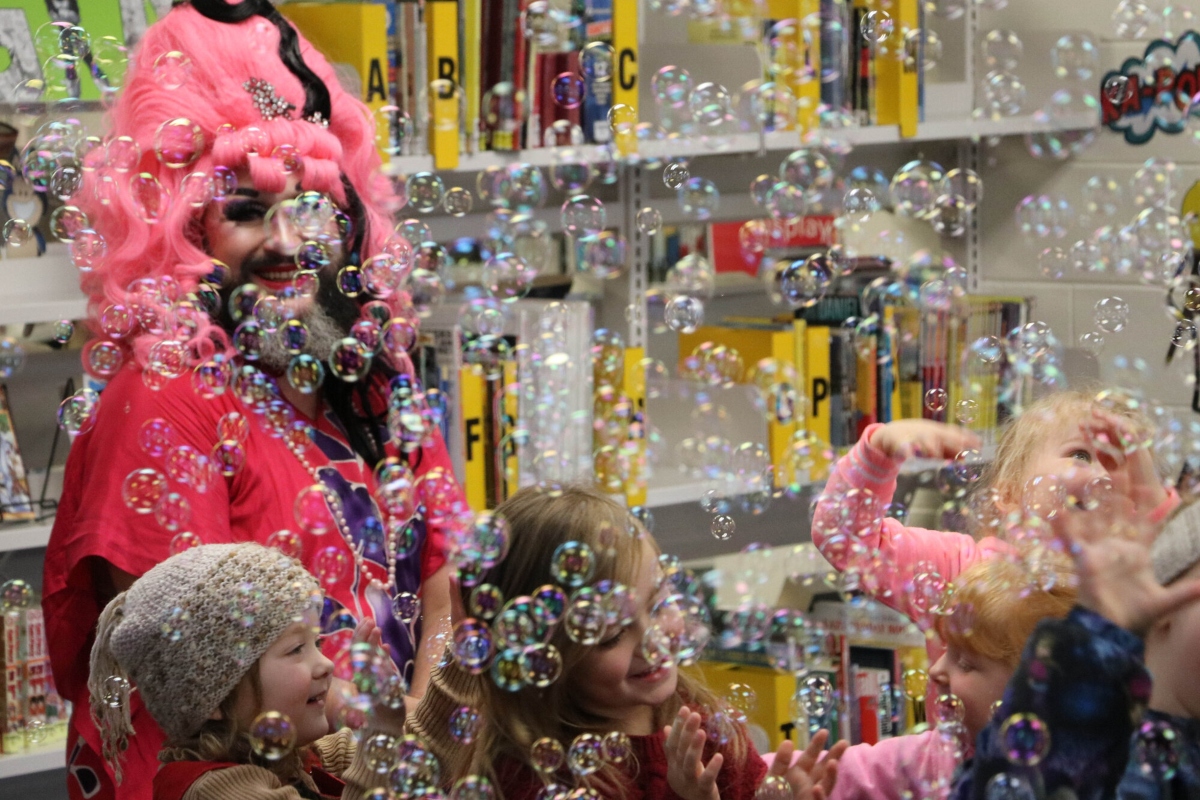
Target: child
(211,639)
(1068,440)
(1081,717)
(996,606)
(598,676)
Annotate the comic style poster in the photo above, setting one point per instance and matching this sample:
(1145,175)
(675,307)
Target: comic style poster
(1158,92)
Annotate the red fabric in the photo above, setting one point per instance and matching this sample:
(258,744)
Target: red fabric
(94,522)
(174,779)
(518,781)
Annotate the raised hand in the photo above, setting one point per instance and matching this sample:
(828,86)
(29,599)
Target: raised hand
(1116,579)
(923,438)
(1128,446)
(809,775)
(687,775)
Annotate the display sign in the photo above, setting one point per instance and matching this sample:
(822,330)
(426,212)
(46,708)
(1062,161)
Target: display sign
(1158,91)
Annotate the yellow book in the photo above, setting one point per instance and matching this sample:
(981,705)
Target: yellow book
(625,69)
(509,406)
(635,390)
(445,89)
(753,345)
(349,33)
(774,691)
(890,325)
(802,49)
(473,416)
(897,87)
(472,38)
(817,387)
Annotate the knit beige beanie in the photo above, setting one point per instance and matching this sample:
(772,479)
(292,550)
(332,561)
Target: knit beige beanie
(185,633)
(1177,548)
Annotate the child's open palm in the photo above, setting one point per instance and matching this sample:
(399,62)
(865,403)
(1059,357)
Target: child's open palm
(1116,579)
(687,775)
(808,775)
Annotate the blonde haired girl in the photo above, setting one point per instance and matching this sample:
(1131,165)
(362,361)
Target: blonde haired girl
(619,690)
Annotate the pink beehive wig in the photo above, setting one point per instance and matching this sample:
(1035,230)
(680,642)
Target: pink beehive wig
(223,55)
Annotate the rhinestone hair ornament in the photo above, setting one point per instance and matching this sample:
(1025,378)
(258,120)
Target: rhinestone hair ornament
(317,106)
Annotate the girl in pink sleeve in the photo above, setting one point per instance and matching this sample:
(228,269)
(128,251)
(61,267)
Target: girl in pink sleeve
(997,605)
(1070,450)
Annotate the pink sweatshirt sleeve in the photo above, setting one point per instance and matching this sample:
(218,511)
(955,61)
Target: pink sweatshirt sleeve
(904,766)
(1166,506)
(850,530)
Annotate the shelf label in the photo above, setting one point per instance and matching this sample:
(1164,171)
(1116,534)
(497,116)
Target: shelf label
(625,77)
(444,90)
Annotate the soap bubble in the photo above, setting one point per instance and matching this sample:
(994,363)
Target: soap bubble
(1112,314)
(949,708)
(142,489)
(1003,94)
(1025,739)
(583,215)
(964,183)
(458,202)
(568,90)
(914,188)
(675,174)
(710,104)
(684,314)
(573,564)
(15,594)
(699,198)
(1075,57)
(547,756)
(649,221)
(77,414)
(508,277)
(425,191)
(877,27)
(272,735)
(596,61)
(935,399)
(172,69)
(116,691)
(723,527)
(1004,786)
(471,645)
(1002,50)
(1118,89)
(178,143)
(1156,750)
(816,695)
(671,86)
(1132,19)
(16,232)
(860,203)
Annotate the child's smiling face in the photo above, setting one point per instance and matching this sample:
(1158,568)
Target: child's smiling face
(295,677)
(614,680)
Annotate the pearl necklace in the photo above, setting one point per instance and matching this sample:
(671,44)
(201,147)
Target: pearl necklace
(337,510)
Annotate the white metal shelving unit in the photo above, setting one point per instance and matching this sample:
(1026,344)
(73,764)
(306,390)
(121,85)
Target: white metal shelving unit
(753,143)
(24,535)
(34,760)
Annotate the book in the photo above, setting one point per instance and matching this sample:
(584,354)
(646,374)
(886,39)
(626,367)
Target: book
(443,92)
(353,37)
(598,87)
(16,501)
(477,450)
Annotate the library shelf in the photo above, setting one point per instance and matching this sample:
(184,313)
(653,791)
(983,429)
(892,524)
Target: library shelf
(24,535)
(38,759)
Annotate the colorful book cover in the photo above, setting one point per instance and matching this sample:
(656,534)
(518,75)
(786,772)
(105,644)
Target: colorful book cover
(598,89)
(16,501)
(476,449)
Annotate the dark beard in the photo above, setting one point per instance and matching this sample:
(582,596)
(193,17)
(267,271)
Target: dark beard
(328,320)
